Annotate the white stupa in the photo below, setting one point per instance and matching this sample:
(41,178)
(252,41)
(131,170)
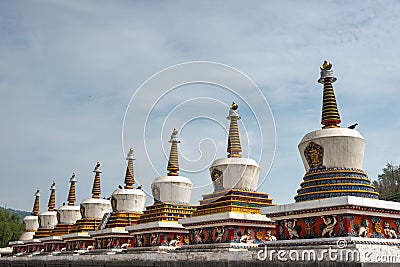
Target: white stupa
(48,219)
(234,172)
(31,222)
(172,188)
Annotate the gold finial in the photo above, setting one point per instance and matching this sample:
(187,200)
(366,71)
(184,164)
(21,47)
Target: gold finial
(52,199)
(330,113)
(234,106)
(234,148)
(173,164)
(327,65)
(129,175)
(71,194)
(35,210)
(96,191)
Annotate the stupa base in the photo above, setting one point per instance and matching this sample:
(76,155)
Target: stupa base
(229,227)
(112,238)
(160,233)
(336,217)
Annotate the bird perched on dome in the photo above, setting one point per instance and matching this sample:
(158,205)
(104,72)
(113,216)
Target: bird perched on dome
(353,126)
(327,65)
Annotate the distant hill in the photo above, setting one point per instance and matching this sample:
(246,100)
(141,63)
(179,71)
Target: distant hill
(20,213)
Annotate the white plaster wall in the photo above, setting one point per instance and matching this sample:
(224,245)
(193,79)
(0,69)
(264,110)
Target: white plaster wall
(31,223)
(96,208)
(129,200)
(343,147)
(26,236)
(238,173)
(48,219)
(69,214)
(173,188)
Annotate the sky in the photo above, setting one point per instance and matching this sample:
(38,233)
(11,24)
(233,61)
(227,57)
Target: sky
(82,81)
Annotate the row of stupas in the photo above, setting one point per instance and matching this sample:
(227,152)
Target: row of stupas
(335,202)
(230,214)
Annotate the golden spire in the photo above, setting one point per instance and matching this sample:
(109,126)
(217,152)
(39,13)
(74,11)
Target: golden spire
(129,176)
(52,199)
(35,210)
(173,166)
(71,194)
(234,149)
(330,113)
(96,183)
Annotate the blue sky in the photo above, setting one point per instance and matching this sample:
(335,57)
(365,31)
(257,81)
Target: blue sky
(68,70)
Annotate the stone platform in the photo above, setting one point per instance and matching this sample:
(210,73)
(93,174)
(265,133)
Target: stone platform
(212,255)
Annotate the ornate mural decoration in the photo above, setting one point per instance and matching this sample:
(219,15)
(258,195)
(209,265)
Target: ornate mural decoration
(314,154)
(362,229)
(219,233)
(245,236)
(328,226)
(269,236)
(388,231)
(217,178)
(292,229)
(156,192)
(114,203)
(82,210)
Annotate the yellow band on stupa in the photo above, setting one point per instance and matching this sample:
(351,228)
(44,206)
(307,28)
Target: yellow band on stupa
(96,191)
(35,210)
(71,194)
(330,113)
(173,164)
(52,200)
(129,175)
(234,148)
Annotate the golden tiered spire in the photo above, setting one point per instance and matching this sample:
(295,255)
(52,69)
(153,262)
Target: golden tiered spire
(52,199)
(234,149)
(35,210)
(96,183)
(71,194)
(330,113)
(173,166)
(129,176)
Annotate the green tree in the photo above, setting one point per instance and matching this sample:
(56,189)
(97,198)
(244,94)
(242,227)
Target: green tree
(388,183)
(10,227)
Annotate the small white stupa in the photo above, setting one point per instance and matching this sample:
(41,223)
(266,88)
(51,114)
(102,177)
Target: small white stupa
(128,199)
(31,222)
(172,188)
(48,219)
(68,214)
(234,172)
(159,226)
(127,204)
(93,209)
